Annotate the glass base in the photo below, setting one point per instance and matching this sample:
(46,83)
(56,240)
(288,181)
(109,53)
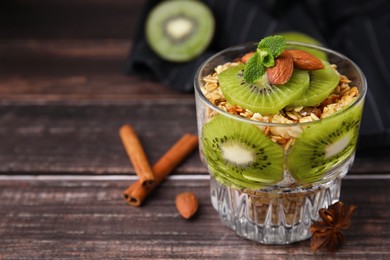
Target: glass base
(273,217)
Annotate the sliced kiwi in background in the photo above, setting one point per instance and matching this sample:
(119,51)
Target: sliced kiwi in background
(240,153)
(322,83)
(301,37)
(261,96)
(324,145)
(179,30)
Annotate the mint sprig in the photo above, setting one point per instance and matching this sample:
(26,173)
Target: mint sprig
(254,68)
(268,49)
(275,44)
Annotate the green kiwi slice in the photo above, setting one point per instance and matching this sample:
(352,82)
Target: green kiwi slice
(240,154)
(261,96)
(301,37)
(322,83)
(236,183)
(179,30)
(324,145)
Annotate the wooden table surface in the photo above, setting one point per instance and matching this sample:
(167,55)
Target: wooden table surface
(63,97)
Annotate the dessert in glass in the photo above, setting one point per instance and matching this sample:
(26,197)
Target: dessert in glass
(278,128)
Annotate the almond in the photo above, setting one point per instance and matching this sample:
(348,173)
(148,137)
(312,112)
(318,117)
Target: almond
(187,204)
(247,57)
(282,71)
(305,61)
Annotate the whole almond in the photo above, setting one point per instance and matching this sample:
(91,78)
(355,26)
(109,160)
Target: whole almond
(282,71)
(187,204)
(247,57)
(305,61)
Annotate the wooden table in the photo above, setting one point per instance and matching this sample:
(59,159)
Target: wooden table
(63,97)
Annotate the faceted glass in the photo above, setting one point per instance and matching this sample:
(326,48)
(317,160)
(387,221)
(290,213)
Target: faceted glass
(280,212)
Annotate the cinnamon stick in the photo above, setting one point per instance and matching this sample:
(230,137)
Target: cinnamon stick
(136,193)
(137,155)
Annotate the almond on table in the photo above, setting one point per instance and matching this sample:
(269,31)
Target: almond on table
(187,204)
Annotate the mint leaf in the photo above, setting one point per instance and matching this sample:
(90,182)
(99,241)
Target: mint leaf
(274,44)
(267,51)
(266,58)
(254,68)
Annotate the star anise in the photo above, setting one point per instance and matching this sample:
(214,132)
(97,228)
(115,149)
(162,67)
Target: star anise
(327,233)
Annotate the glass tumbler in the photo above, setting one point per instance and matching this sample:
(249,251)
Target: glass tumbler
(279,212)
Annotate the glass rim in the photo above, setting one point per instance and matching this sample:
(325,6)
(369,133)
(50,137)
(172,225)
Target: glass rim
(199,93)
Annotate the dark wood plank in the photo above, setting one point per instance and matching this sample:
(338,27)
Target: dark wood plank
(87,19)
(83,138)
(47,70)
(89,219)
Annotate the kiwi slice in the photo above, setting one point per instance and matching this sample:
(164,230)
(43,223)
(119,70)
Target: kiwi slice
(179,30)
(240,154)
(301,37)
(261,96)
(322,83)
(324,145)
(236,183)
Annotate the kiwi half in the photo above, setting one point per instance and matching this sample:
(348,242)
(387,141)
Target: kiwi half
(261,96)
(324,145)
(179,30)
(322,83)
(240,154)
